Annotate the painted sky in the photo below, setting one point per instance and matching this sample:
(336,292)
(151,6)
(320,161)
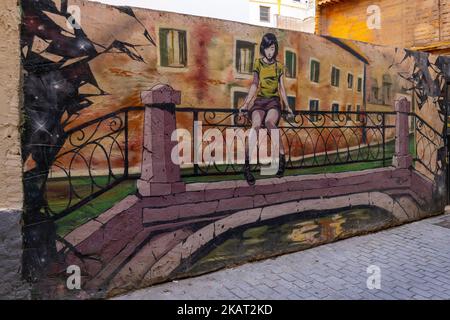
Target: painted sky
(235,10)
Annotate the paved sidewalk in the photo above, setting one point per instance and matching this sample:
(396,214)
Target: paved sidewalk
(414,261)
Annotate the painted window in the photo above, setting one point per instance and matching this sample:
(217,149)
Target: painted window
(358,110)
(291,64)
(245,54)
(335,111)
(350,81)
(264,14)
(292,102)
(173,48)
(313,107)
(315,71)
(360,83)
(335,76)
(349,109)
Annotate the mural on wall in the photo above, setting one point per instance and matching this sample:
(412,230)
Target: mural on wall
(364,144)
(56,65)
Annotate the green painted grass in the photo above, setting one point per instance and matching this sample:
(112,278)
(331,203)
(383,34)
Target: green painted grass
(57,195)
(389,152)
(90,210)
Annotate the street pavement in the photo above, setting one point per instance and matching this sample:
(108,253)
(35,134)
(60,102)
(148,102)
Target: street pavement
(408,262)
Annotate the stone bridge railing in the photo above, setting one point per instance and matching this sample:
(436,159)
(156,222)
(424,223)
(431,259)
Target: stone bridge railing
(142,239)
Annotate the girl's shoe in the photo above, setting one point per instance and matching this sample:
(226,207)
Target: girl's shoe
(281,166)
(248,175)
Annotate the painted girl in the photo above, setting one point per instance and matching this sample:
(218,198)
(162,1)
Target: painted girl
(268,87)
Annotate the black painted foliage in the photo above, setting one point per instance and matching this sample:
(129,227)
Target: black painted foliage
(53,77)
(51,87)
(424,86)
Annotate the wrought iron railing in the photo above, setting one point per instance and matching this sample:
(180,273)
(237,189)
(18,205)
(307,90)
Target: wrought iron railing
(311,138)
(429,146)
(94,159)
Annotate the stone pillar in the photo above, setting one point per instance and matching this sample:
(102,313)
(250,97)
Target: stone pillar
(402,158)
(159,174)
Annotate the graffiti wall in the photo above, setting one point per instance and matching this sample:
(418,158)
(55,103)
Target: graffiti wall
(362,132)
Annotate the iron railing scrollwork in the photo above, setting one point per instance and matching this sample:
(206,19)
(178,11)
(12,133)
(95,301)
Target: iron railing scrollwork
(311,138)
(429,146)
(94,159)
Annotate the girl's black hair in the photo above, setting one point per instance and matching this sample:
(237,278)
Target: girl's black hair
(267,40)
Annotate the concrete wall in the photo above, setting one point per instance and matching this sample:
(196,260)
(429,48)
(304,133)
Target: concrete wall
(11,194)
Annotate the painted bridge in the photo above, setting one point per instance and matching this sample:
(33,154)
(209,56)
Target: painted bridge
(145,237)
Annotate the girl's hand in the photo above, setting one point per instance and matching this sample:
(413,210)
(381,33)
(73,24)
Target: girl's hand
(244,108)
(289,110)
(290,114)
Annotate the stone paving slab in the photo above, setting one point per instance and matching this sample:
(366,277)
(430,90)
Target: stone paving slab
(414,260)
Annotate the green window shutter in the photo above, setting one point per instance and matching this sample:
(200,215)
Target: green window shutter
(245,56)
(335,110)
(317,75)
(288,63)
(252,58)
(313,107)
(295,65)
(291,64)
(238,56)
(183,47)
(292,102)
(335,76)
(315,71)
(350,81)
(163,47)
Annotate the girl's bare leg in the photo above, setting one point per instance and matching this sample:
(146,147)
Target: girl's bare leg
(257,120)
(272,118)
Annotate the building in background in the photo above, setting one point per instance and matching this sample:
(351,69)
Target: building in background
(284,14)
(415,24)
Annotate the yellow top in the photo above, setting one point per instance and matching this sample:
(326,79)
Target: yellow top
(269,75)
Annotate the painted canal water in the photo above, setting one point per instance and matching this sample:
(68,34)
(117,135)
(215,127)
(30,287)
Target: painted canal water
(283,235)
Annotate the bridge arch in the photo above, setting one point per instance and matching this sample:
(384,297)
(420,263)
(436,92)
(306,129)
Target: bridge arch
(403,208)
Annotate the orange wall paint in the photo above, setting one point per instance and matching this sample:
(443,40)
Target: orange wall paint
(404,23)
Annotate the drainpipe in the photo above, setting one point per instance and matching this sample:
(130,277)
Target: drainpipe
(279,7)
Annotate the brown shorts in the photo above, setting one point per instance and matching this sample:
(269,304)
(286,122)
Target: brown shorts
(265,104)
